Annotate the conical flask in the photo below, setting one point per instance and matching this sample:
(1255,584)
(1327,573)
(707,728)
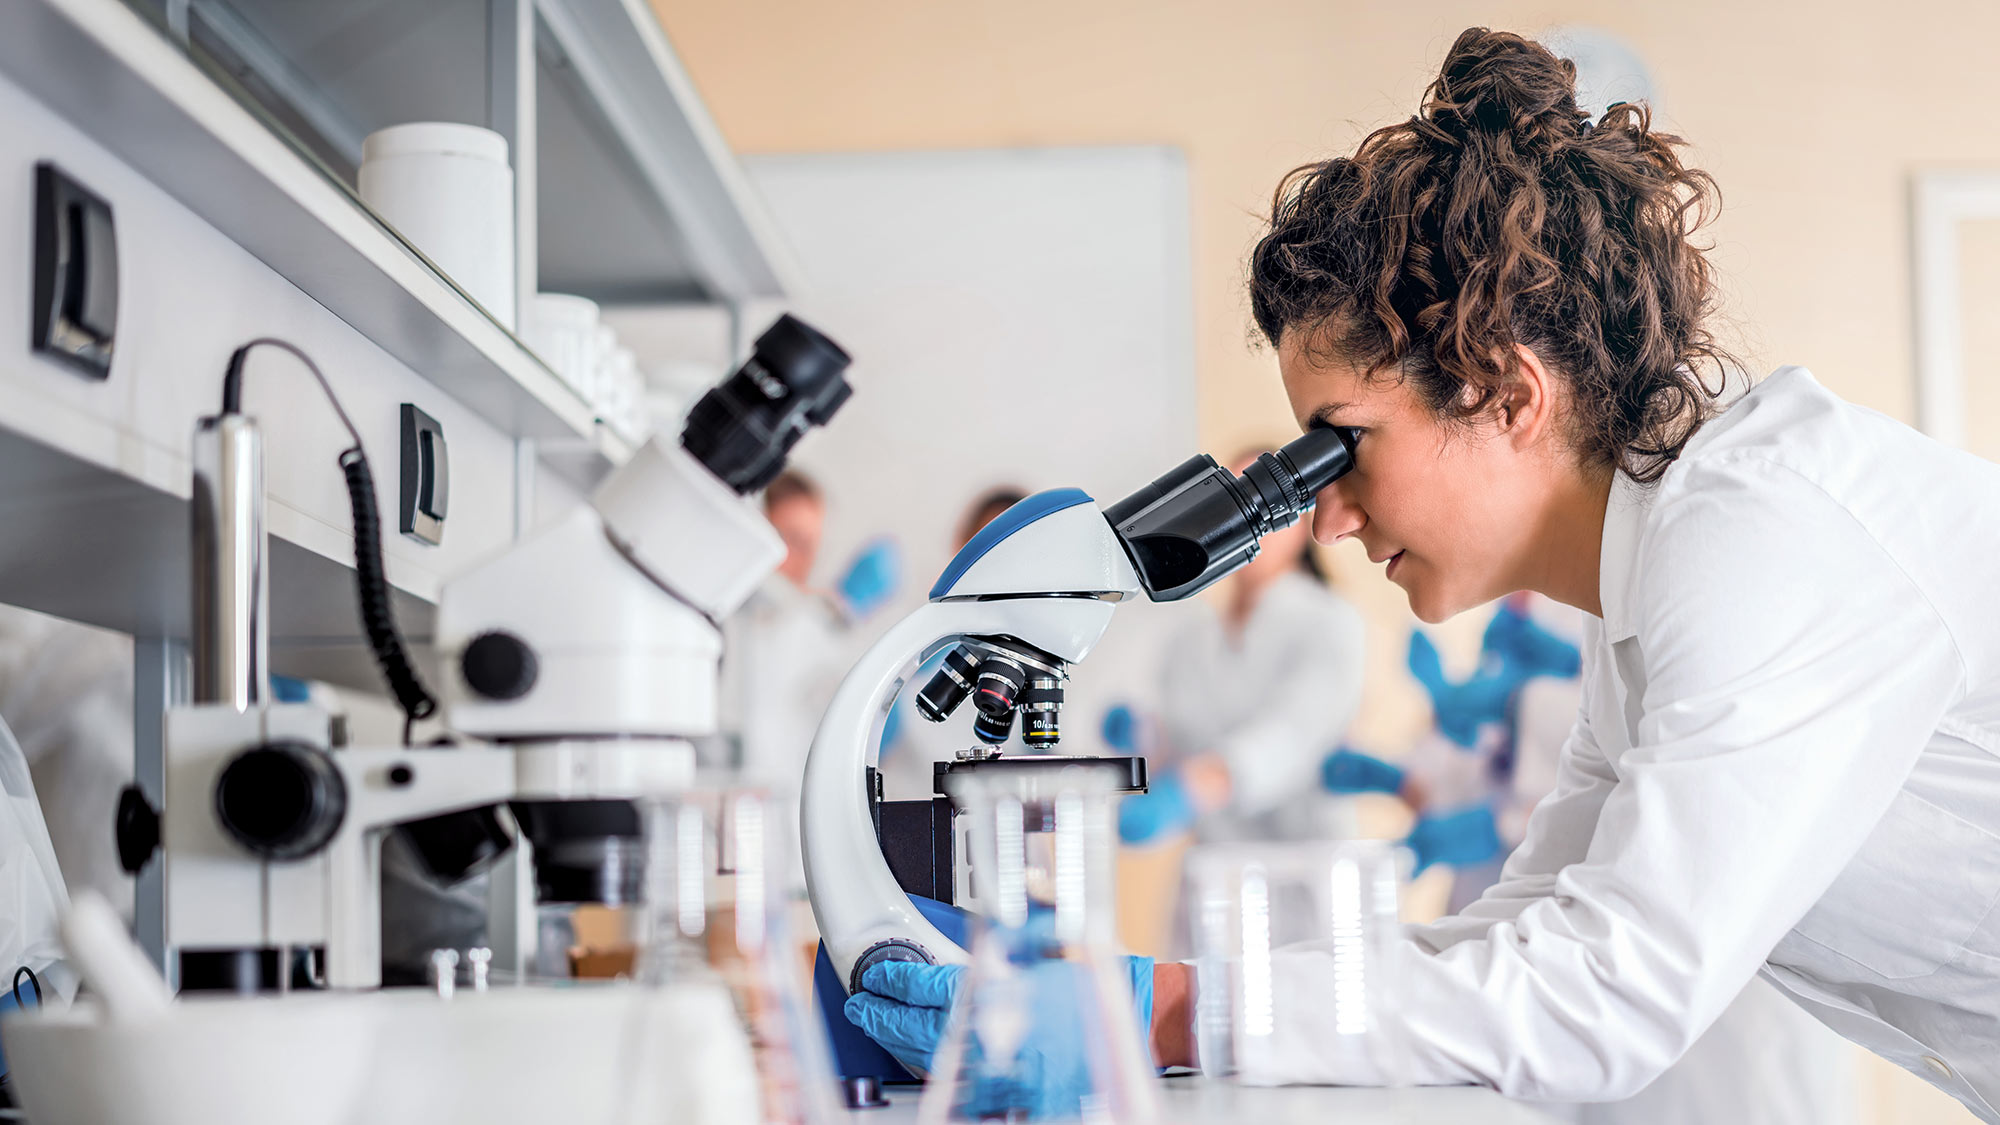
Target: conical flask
(714,918)
(1044,1027)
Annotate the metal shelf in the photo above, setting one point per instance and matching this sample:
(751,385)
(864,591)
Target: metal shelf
(121,82)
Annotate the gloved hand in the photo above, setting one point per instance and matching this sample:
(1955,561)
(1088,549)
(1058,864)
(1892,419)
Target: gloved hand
(906,1006)
(1526,648)
(1351,771)
(1457,839)
(1165,808)
(1121,729)
(1461,709)
(871,578)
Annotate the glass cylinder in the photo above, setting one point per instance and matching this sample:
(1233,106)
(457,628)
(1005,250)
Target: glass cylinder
(1255,905)
(715,910)
(1043,1027)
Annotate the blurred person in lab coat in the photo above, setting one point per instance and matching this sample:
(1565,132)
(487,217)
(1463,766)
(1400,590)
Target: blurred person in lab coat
(66,691)
(785,651)
(1786,760)
(1255,688)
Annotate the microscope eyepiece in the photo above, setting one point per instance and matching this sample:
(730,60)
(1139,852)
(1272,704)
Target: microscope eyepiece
(743,428)
(1197,523)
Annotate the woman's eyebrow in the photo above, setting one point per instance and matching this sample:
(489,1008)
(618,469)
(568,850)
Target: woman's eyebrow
(1323,415)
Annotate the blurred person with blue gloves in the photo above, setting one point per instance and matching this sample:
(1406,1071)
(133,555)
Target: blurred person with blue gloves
(1254,689)
(1460,779)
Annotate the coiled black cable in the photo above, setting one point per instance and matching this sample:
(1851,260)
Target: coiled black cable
(371,583)
(34,982)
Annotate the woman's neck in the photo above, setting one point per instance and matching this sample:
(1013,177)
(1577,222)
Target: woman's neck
(1569,544)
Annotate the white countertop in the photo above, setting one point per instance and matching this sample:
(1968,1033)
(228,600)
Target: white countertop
(1190,1101)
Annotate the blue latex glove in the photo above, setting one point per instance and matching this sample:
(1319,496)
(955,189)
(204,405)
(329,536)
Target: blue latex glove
(1457,839)
(1527,649)
(1121,729)
(285,689)
(906,1006)
(1163,809)
(1461,709)
(1351,771)
(872,577)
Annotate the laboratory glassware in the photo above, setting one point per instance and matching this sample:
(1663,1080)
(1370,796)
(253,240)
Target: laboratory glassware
(1295,926)
(1043,1027)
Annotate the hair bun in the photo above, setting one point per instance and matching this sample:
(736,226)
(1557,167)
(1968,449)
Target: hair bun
(1497,84)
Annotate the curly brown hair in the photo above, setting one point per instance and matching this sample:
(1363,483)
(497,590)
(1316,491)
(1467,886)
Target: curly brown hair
(1500,215)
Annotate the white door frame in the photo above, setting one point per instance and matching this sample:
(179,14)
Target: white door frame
(1939,202)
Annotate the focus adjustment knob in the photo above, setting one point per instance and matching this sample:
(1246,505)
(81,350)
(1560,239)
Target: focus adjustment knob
(282,801)
(499,666)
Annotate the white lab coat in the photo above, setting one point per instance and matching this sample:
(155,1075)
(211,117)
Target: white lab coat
(1787,761)
(783,655)
(1765,1060)
(1272,703)
(66,690)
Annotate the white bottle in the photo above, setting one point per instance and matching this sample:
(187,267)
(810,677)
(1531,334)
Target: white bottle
(449,190)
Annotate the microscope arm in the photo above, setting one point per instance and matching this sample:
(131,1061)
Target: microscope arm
(854,895)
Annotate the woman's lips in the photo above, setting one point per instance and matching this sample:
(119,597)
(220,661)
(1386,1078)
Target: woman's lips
(1393,560)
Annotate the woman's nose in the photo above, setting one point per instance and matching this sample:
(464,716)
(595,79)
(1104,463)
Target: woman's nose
(1335,517)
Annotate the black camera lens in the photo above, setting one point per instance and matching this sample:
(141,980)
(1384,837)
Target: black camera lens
(999,685)
(744,427)
(949,687)
(993,729)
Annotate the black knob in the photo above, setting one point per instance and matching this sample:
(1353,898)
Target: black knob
(137,826)
(282,801)
(499,666)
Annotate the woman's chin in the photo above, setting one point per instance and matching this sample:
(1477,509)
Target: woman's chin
(1424,602)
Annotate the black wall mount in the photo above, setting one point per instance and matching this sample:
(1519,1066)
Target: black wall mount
(75,318)
(426,477)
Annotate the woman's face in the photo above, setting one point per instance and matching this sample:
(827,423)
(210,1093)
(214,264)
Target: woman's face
(1451,511)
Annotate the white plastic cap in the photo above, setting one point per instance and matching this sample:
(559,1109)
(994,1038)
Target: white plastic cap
(435,138)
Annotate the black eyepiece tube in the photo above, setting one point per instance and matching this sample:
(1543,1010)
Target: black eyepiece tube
(744,427)
(1194,525)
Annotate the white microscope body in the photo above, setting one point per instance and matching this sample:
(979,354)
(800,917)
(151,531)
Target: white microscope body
(578,663)
(1034,590)
(613,671)
(1049,574)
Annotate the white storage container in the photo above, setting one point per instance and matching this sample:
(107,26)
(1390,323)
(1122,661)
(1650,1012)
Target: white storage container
(562,329)
(449,190)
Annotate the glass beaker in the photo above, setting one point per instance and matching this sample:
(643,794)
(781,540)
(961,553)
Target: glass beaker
(1329,908)
(1043,1027)
(715,911)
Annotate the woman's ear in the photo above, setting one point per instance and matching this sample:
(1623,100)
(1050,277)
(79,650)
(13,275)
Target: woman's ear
(1525,408)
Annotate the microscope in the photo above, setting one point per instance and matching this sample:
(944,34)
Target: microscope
(1022,603)
(578,665)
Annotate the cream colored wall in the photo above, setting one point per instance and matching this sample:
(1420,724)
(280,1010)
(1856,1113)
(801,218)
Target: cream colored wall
(1810,114)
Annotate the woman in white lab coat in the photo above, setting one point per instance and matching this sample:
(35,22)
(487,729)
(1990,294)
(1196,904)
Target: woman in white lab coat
(1256,688)
(1787,758)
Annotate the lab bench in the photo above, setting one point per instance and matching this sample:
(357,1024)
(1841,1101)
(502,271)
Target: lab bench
(1192,1101)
